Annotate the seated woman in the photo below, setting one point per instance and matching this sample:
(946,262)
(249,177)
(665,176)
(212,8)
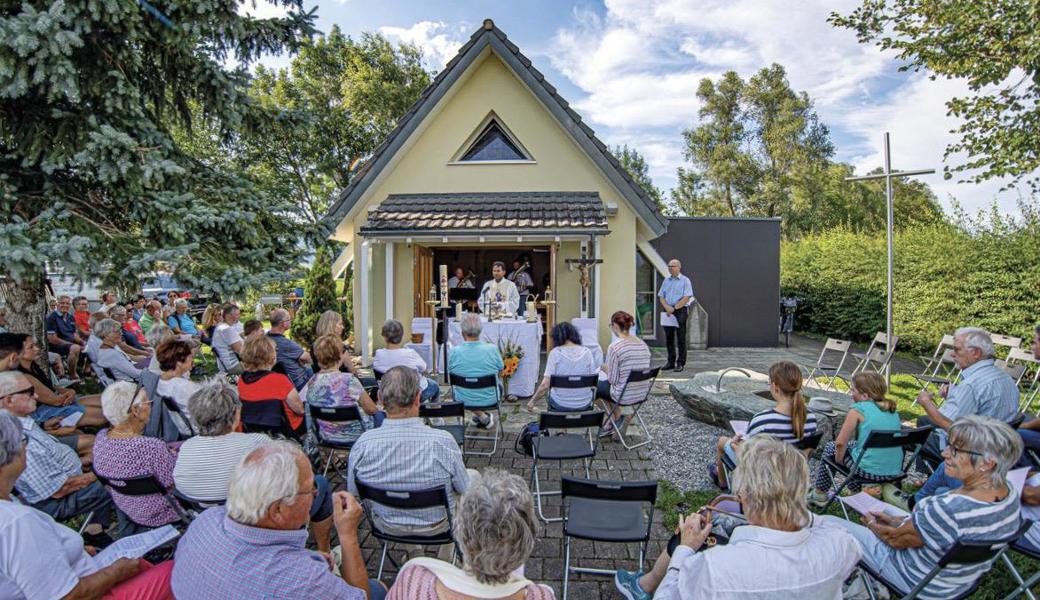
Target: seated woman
(331,387)
(110,356)
(158,334)
(790,421)
(395,354)
(259,382)
(128,342)
(211,317)
(55,403)
(44,559)
(871,411)
(180,321)
(206,461)
(568,357)
(133,336)
(175,360)
(495,528)
(626,354)
(782,552)
(123,452)
(981,450)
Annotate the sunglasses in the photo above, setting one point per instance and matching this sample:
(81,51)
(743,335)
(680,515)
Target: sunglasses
(29,391)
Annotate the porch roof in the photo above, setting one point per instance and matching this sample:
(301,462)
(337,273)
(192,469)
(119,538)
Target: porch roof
(488,213)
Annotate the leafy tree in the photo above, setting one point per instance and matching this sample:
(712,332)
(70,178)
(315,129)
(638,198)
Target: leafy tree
(337,100)
(92,178)
(636,166)
(993,46)
(319,296)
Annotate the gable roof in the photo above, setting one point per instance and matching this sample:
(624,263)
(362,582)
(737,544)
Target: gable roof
(509,53)
(488,212)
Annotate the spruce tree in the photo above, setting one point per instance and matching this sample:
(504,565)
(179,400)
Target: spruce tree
(319,295)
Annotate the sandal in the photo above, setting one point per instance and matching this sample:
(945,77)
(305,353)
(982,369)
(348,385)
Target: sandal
(713,473)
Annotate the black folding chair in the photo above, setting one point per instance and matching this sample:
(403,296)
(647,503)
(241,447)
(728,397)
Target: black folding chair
(1024,585)
(265,416)
(962,553)
(605,511)
(146,485)
(194,506)
(482,383)
(172,406)
(447,410)
(566,446)
(902,438)
(808,444)
(574,382)
(339,415)
(436,497)
(620,425)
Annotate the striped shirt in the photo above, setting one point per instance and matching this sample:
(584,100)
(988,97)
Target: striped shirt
(778,425)
(624,356)
(403,455)
(982,390)
(48,464)
(942,520)
(205,462)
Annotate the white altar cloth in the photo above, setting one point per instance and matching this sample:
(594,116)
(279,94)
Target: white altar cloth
(529,335)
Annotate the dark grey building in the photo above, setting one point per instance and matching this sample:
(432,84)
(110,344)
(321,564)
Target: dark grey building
(734,264)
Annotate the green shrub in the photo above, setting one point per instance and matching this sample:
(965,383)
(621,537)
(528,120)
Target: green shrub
(946,276)
(319,295)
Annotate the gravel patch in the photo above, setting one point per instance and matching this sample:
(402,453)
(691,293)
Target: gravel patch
(682,448)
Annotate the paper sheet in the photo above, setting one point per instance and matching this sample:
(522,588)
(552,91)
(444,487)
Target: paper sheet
(1017,478)
(739,427)
(668,320)
(135,546)
(72,419)
(864,504)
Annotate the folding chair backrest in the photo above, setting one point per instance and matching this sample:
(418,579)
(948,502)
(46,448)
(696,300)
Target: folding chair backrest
(573,381)
(1020,355)
(334,414)
(378,374)
(263,416)
(904,438)
(972,552)
(574,420)
(442,410)
(405,500)
(101,375)
(835,345)
(110,374)
(172,406)
(1006,341)
(194,503)
(809,442)
(136,486)
(474,383)
(638,376)
(881,338)
(620,491)
(1015,372)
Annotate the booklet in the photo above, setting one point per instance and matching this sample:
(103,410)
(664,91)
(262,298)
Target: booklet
(1017,478)
(739,427)
(72,419)
(864,504)
(135,546)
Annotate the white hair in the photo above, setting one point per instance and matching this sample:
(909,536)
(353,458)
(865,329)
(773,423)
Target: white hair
(158,334)
(976,337)
(106,327)
(471,325)
(179,302)
(10,382)
(117,399)
(266,475)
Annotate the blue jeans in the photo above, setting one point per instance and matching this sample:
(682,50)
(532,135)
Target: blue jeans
(94,498)
(46,412)
(321,506)
(878,555)
(431,392)
(1031,440)
(603,390)
(938,483)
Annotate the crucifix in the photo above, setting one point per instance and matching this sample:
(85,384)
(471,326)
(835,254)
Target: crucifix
(583,265)
(888,174)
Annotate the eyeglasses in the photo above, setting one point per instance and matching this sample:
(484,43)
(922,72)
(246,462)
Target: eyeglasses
(29,391)
(954,451)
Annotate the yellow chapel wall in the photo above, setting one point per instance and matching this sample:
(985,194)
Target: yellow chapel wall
(560,165)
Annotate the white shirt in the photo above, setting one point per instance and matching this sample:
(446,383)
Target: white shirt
(39,558)
(764,563)
(180,389)
(388,358)
(571,360)
(225,336)
(510,302)
(455,282)
(205,462)
(93,345)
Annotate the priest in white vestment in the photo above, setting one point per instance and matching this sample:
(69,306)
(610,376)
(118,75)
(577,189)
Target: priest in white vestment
(500,290)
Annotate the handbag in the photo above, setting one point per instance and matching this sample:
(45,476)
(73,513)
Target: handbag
(525,440)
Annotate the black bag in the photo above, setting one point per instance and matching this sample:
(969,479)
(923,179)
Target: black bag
(525,440)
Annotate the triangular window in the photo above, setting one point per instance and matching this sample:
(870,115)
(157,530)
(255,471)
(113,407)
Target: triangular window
(494,143)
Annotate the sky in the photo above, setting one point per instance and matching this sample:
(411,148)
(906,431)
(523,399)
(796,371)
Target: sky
(631,69)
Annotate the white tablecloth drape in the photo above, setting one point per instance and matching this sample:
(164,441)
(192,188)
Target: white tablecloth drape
(529,335)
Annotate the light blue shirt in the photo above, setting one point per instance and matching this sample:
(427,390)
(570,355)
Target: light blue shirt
(475,359)
(982,390)
(674,289)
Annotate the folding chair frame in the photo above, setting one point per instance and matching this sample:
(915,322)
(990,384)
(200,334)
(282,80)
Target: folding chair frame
(620,425)
(874,354)
(1024,585)
(144,486)
(333,414)
(577,420)
(450,410)
(473,383)
(831,345)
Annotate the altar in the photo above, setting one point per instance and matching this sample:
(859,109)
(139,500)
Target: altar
(528,335)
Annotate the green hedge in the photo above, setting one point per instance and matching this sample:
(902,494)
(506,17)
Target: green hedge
(945,277)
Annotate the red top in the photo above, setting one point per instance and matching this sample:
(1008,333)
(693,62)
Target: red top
(269,386)
(132,326)
(82,318)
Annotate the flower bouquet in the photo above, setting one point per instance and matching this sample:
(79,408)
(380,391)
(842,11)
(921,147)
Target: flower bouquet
(512,353)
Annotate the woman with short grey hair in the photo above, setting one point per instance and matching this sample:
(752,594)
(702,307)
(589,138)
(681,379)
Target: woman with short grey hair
(396,354)
(180,321)
(110,355)
(44,559)
(985,508)
(158,334)
(495,528)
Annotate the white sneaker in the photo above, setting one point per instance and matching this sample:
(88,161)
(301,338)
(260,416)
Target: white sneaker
(490,422)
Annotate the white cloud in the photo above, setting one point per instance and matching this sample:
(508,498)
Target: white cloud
(438,41)
(639,64)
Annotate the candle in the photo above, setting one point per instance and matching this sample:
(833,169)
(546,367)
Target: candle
(531,311)
(458,311)
(444,285)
